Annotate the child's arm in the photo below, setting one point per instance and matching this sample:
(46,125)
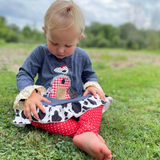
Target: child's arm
(29,69)
(25,84)
(90,80)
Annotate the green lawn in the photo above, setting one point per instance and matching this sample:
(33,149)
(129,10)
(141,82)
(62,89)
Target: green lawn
(130,127)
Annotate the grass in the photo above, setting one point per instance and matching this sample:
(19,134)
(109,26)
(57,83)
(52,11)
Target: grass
(123,50)
(131,127)
(133,121)
(18,46)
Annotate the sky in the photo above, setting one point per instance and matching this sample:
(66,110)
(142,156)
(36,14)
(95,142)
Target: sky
(142,13)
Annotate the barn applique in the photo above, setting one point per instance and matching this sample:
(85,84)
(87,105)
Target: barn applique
(60,85)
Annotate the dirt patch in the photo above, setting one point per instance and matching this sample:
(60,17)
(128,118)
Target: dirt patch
(122,64)
(12,59)
(132,59)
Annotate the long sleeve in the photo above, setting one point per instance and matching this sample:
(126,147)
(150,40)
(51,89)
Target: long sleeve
(29,69)
(88,73)
(89,77)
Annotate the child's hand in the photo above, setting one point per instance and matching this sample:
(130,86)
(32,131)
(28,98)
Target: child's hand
(93,90)
(31,103)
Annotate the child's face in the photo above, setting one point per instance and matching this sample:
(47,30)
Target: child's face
(62,43)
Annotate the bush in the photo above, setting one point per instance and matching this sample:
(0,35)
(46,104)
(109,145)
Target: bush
(102,43)
(12,36)
(153,41)
(116,41)
(2,42)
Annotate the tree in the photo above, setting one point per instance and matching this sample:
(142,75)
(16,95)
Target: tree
(2,27)
(8,33)
(27,32)
(128,31)
(153,41)
(3,21)
(14,28)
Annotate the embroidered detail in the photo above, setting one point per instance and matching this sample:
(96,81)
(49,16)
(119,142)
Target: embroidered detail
(60,85)
(47,93)
(72,94)
(60,93)
(63,69)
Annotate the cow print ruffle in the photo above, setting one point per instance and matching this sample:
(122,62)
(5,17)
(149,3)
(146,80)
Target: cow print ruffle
(60,113)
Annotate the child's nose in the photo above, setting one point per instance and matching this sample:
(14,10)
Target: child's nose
(61,50)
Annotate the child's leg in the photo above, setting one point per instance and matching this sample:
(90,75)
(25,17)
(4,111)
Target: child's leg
(90,121)
(66,128)
(87,138)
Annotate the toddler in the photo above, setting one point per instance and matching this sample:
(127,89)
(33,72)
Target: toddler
(58,102)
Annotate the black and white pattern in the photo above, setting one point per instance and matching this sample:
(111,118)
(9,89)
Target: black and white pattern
(63,69)
(63,112)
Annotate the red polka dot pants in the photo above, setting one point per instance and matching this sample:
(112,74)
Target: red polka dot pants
(88,122)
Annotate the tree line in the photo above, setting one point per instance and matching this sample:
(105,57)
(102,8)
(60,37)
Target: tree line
(12,33)
(96,35)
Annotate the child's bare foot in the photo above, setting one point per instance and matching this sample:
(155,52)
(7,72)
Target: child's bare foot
(92,144)
(101,138)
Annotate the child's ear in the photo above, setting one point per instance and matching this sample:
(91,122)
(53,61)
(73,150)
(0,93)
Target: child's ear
(81,36)
(44,30)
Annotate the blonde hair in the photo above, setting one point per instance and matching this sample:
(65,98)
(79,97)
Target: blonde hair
(64,14)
